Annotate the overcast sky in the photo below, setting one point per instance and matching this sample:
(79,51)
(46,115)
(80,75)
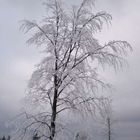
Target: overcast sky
(17,60)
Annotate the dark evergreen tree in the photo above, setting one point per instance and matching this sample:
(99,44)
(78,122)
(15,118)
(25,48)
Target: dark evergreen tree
(8,137)
(3,138)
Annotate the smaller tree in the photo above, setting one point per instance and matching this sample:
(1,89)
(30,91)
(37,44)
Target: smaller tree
(107,116)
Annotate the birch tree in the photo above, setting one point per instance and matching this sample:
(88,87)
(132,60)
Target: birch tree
(67,77)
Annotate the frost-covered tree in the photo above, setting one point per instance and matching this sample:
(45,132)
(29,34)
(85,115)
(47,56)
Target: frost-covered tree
(67,77)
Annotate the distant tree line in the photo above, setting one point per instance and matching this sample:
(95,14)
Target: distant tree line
(35,137)
(5,138)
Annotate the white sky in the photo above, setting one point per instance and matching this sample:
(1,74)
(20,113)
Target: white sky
(17,60)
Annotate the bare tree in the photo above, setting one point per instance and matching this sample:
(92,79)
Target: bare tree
(67,77)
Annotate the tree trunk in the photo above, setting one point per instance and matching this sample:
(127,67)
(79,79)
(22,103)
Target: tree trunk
(54,106)
(53,115)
